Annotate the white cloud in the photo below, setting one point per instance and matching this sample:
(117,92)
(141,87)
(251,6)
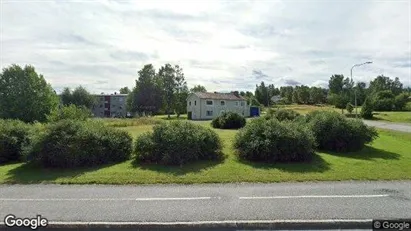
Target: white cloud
(103,44)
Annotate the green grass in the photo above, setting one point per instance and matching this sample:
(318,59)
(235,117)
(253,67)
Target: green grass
(391,116)
(388,158)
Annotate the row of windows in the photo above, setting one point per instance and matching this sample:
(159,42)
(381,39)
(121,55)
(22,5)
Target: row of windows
(222,103)
(210,113)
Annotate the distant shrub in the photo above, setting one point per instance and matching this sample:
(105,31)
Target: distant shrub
(274,141)
(349,108)
(228,120)
(71,112)
(400,101)
(70,143)
(14,134)
(367,109)
(282,114)
(177,143)
(335,132)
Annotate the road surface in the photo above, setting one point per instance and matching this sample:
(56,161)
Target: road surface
(210,202)
(389,125)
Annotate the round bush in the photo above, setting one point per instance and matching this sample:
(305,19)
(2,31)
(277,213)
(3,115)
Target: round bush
(14,134)
(177,143)
(335,132)
(229,120)
(282,114)
(274,141)
(70,143)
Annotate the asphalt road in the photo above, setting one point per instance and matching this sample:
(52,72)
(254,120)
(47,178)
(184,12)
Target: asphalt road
(210,202)
(389,125)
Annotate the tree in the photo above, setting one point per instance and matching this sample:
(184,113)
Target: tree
(125,90)
(339,101)
(303,93)
(361,93)
(336,84)
(349,108)
(198,88)
(181,92)
(286,94)
(381,83)
(25,95)
(81,97)
(383,100)
(317,95)
(168,77)
(400,101)
(66,97)
(146,96)
(261,94)
(366,109)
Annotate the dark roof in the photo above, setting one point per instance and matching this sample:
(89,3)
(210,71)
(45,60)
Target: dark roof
(215,95)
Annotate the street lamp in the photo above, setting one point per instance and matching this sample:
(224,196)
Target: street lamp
(355,91)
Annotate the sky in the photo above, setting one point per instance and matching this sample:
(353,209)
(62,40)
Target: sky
(223,45)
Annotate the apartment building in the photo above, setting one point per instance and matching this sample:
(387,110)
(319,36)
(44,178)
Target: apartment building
(110,105)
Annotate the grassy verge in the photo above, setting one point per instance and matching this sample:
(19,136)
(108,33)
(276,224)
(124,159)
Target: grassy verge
(391,116)
(388,158)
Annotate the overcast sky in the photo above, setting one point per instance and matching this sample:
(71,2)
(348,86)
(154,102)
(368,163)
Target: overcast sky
(223,45)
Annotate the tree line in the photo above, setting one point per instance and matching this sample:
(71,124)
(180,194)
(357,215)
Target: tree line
(26,95)
(384,93)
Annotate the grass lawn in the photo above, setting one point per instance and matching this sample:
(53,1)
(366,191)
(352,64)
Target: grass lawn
(388,158)
(391,116)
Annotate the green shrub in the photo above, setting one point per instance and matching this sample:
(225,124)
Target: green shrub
(335,132)
(14,134)
(274,141)
(367,109)
(71,112)
(228,120)
(70,143)
(400,101)
(177,143)
(349,108)
(282,114)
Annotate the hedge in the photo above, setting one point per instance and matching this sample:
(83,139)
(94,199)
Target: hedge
(177,143)
(229,120)
(69,143)
(274,141)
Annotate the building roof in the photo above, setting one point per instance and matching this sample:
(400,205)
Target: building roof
(216,95)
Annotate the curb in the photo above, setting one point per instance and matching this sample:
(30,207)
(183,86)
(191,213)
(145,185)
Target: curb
(253,224)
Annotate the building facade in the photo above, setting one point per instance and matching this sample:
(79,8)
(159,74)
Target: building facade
(206,105)
(110,105)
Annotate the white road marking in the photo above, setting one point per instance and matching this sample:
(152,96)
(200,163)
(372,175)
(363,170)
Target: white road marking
(313,196)
(110,199)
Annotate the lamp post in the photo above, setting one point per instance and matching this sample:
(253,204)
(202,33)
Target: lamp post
(355,91)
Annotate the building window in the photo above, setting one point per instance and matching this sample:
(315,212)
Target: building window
(209,113)
(209,102)
(236,103)
(189,103)
(195,102)
(121,107)
(101,98)
(101,105)
(242,104)
(222,103)
(120,99)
